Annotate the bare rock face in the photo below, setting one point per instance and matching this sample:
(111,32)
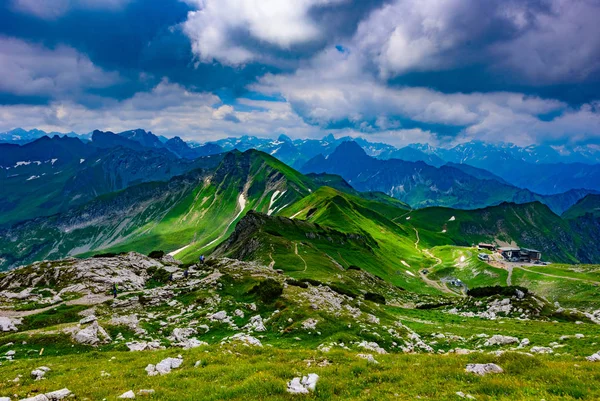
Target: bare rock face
(93,334)
(483,369)
(92,275)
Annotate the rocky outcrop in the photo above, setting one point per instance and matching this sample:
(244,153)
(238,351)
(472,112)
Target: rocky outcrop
(93,334)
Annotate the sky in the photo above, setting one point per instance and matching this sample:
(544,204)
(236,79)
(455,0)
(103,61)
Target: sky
(396,71)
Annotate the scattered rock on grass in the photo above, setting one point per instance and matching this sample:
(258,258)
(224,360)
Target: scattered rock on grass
(38,374)
(58,394)
(594,358)
(483,369)
(368,357)
(128,395)
(164,367)
(541,350)
(501,340)
(8,324)
(304,385)
(372,346)
(92,335)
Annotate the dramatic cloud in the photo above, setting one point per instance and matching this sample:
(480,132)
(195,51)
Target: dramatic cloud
(333,90)
(525,71)
(51,9)
(168,109)
(539,41)
(29,69)
(223,30)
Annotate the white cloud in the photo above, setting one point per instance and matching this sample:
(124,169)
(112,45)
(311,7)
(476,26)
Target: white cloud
(538,42)
(52,9)
(334,90)
(562,46)
(213,27)
(30,69)
(168,109)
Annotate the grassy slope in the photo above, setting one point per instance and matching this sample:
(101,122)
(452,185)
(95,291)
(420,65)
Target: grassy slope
(588,205)
(380,249)
(530,225)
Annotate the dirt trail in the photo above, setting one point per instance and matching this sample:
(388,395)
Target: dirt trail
(509,277)
(301,258)
(440,286)
(418,239)
(556,276)
(272,264)
(89,299)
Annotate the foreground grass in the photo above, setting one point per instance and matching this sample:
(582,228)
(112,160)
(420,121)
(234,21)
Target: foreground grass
(241,373)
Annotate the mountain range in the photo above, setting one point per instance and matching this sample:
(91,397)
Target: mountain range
(190,213)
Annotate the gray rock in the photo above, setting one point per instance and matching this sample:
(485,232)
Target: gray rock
(93,334)
(368,357)
(541,350)
(483,369)
(39,397)
(8,324)
(594,357)
(88,319)
(304,385)
(58,394)
(128,395)
(164,367)
(256,324)
(501,340)
(39,373)
(145,391)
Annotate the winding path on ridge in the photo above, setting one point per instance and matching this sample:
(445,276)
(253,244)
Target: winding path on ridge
(301,258)
(557,276)
(432,283)
(88,299)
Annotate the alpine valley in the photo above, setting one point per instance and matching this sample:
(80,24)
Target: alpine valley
(134,265)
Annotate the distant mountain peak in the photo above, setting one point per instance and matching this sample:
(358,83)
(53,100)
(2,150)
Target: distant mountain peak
(284,138)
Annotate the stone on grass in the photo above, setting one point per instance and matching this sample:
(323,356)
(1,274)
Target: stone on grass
(128,395)
(541,350)
(247,340)
(483,369)
(145,391)
(368,357)
(4,398)
(164,367)
(38,374)
(256,324)
(58,394)
(88,319)
(500,340)
(39,397)
(310,324)
(594,357)
(372,346)
(92,335)
(7,324)
(304,385)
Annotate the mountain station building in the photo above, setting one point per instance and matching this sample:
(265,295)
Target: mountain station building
(520,254)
